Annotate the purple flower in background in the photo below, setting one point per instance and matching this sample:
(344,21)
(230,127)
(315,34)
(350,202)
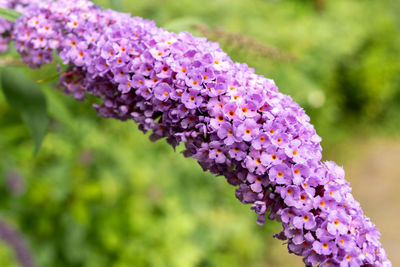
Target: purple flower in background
(14,239)
(15,183)
(234,122)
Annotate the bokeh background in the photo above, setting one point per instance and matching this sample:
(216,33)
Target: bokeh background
(99,193)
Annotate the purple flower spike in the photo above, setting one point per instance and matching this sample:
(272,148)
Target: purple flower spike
(234,122)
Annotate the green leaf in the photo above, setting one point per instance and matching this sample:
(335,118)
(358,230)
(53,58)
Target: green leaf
(183,24)
(117,5)
(25,95)
(9,14)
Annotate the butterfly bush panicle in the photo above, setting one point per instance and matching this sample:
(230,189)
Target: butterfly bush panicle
(233,121)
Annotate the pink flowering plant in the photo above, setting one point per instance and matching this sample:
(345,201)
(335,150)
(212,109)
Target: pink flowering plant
(234,122)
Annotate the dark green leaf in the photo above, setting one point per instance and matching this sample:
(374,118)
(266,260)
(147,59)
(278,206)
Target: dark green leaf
(25,95)
(9,14)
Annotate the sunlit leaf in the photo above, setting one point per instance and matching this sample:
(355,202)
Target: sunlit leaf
(117,5)
(9,14)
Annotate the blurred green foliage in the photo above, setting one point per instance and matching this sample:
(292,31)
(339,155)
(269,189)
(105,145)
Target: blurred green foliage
(100,194)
